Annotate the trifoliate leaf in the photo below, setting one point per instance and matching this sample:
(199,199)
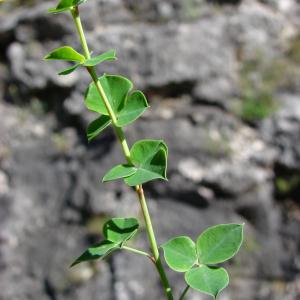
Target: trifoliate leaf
(116,231)
(150,158)
(126,107)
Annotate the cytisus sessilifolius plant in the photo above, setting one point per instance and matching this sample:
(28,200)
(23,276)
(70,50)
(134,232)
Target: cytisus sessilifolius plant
(116,104)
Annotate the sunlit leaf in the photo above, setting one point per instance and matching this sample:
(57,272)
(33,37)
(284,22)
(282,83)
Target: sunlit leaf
(180,253)
(65,53)
(107,56)
(219,243)
(209,280)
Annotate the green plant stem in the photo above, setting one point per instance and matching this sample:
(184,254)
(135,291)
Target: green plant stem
(137,251)
(153,243)
(76,18)
(126,151)
(184,292)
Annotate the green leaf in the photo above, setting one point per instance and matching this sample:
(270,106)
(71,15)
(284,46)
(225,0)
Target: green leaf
(116,231)
(97,126)
(219,243)
(69,70)
(126,107)
(65,53)
(99,251)
(65,5)
(120,230)
(209,280)
(120,171)
(116,89)
(150,158)
(135,106)
(180,253)
(109,55)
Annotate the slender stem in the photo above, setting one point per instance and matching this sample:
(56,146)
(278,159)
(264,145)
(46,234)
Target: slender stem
(184,292)
(76,17)
(148,221)
(125,148)
(91,70)
(136,251)
(153,243)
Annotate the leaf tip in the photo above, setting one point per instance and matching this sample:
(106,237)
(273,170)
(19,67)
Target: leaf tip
(51,10)
(89,138)
(74,263)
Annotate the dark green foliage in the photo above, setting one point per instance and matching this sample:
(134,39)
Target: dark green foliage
(97,126)
(116,231)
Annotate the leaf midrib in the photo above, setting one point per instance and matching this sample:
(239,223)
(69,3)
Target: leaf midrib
(208,257)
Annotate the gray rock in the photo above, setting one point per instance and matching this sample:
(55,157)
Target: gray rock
(255,22)
(283,130)
(187,56)
(231,179)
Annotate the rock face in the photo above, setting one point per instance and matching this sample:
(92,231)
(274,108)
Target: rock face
(202,65)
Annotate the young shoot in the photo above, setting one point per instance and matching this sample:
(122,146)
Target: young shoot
(116,104)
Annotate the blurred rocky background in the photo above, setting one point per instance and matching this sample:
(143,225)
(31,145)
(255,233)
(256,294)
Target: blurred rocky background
(223,81)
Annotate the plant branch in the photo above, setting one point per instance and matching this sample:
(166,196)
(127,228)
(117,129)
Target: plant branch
(121,137)
(137,251)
